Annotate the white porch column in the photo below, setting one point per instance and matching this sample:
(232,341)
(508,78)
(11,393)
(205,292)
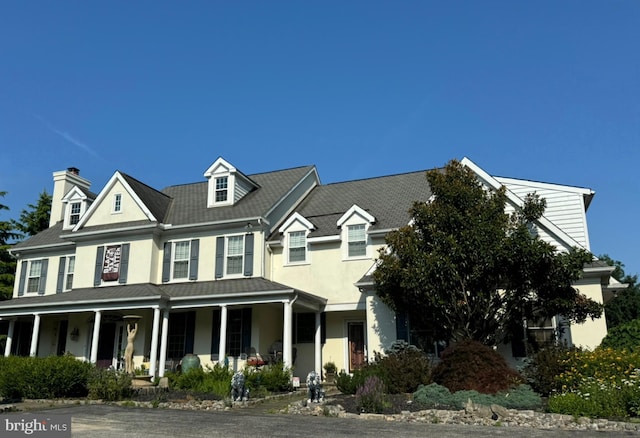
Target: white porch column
(34,335)
(163,342)
(96,336)
(286,335)
(222,350)
(318,345)
(154,342)
(7,346)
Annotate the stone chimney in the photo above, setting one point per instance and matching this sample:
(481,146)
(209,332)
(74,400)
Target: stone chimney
(63,181)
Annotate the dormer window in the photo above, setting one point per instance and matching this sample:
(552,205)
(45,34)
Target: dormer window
(74,213)
(295,232)
(297,246)
(222,186)
(354,225)
(357,240)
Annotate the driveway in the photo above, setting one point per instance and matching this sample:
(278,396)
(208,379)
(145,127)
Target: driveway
(92,421)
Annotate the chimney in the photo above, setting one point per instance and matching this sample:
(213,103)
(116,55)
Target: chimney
(63,181)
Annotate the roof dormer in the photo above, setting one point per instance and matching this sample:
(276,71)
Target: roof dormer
(75,203)
(226,185)
(354,225)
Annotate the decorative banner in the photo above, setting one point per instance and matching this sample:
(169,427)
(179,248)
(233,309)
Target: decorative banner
(111,266)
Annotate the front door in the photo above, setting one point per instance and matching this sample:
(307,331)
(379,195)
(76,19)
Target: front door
(356,345)
(63,327)
(106,345)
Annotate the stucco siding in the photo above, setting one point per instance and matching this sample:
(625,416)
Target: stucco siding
(103,213)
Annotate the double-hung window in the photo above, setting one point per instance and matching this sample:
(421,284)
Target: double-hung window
(235,255)
(71,264)
(357,240)
(297,246)
(222,186)
(74,214)
(181,259)
(34,277)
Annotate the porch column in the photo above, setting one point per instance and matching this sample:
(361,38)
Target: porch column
(154,342)
(286,335)
(96,336)
(222,350)
(163,342)
(318,345)
(34,335)
(7,346)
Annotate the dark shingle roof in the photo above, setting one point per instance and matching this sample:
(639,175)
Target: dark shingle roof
(157,202)
(387,198)
(50,236)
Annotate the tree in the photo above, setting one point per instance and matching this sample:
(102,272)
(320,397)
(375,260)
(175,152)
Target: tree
(466,269)
(7,261)
(37,218)
(625,307)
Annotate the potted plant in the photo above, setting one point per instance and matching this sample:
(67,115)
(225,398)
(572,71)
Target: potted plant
(330,370)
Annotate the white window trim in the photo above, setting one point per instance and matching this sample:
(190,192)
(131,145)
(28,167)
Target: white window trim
(355,216)
(287,247)
(296,222)
(117,202)
(75,196)
(67,272)
(226,256)
(173,260)
(28,277)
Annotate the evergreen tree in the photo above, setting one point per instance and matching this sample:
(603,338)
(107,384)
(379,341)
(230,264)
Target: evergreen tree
(35,219)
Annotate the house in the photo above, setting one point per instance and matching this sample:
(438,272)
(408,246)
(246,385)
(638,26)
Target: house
(275,263)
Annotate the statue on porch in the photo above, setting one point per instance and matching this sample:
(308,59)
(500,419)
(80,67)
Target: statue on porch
(128,352)
(238,391)
(314,388)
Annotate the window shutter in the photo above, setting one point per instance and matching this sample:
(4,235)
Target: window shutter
(402,327)
(124,263)
(219,256)
(61,268)
(166,262)
(245,342)
(323,328)
(97,276)
(215,334)
(193,263)
(43,277)
(248,255)
(190,329)
(23,278)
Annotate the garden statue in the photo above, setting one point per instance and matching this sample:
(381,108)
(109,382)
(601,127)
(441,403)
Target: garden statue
(238,390)
(314,388)
(128,352)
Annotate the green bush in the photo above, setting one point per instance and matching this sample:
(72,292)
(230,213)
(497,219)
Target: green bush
(214,379)
(349,383)
(371,396)
(49,377)
(109,385)
(437,396)
(276,378)
(591,401)
(543,368)
(404,368)
(625,336)
(470,365)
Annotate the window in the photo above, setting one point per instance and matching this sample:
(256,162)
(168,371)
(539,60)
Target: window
(71,263)
(181,259)
(222,184)
(238,338)
(541,332)
(357,240)
(74,214)
(297,246)
(235,252)
(35,273)
(117,203)
(181,334)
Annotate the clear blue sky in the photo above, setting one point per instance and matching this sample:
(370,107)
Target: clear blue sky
(544,90)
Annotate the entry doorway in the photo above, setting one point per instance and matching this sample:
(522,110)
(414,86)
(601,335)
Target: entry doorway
(356,345)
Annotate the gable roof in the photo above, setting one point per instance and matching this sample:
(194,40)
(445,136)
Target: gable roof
(157,202)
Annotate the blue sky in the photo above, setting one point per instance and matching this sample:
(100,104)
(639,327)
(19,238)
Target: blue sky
(545,90)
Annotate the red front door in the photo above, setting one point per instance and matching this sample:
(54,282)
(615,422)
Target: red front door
(356,345)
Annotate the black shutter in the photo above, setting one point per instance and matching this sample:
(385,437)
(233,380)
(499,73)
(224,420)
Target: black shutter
(193,263)
(190,330)
(219,257)
(166,262)
(323,328)
(248,255)
(61,269)
(402,327)
(43,277)
(124,263)
(215,334)
(245,343)
(97,276)
(23,278)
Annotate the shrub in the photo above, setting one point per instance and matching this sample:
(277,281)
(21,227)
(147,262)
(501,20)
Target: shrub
(349,384)
(404,368)
(109,385)
(276,378)
(36,377)
(214,380)
(371,397)
(625,336)
(437,396)
(543,368)
(470,365)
